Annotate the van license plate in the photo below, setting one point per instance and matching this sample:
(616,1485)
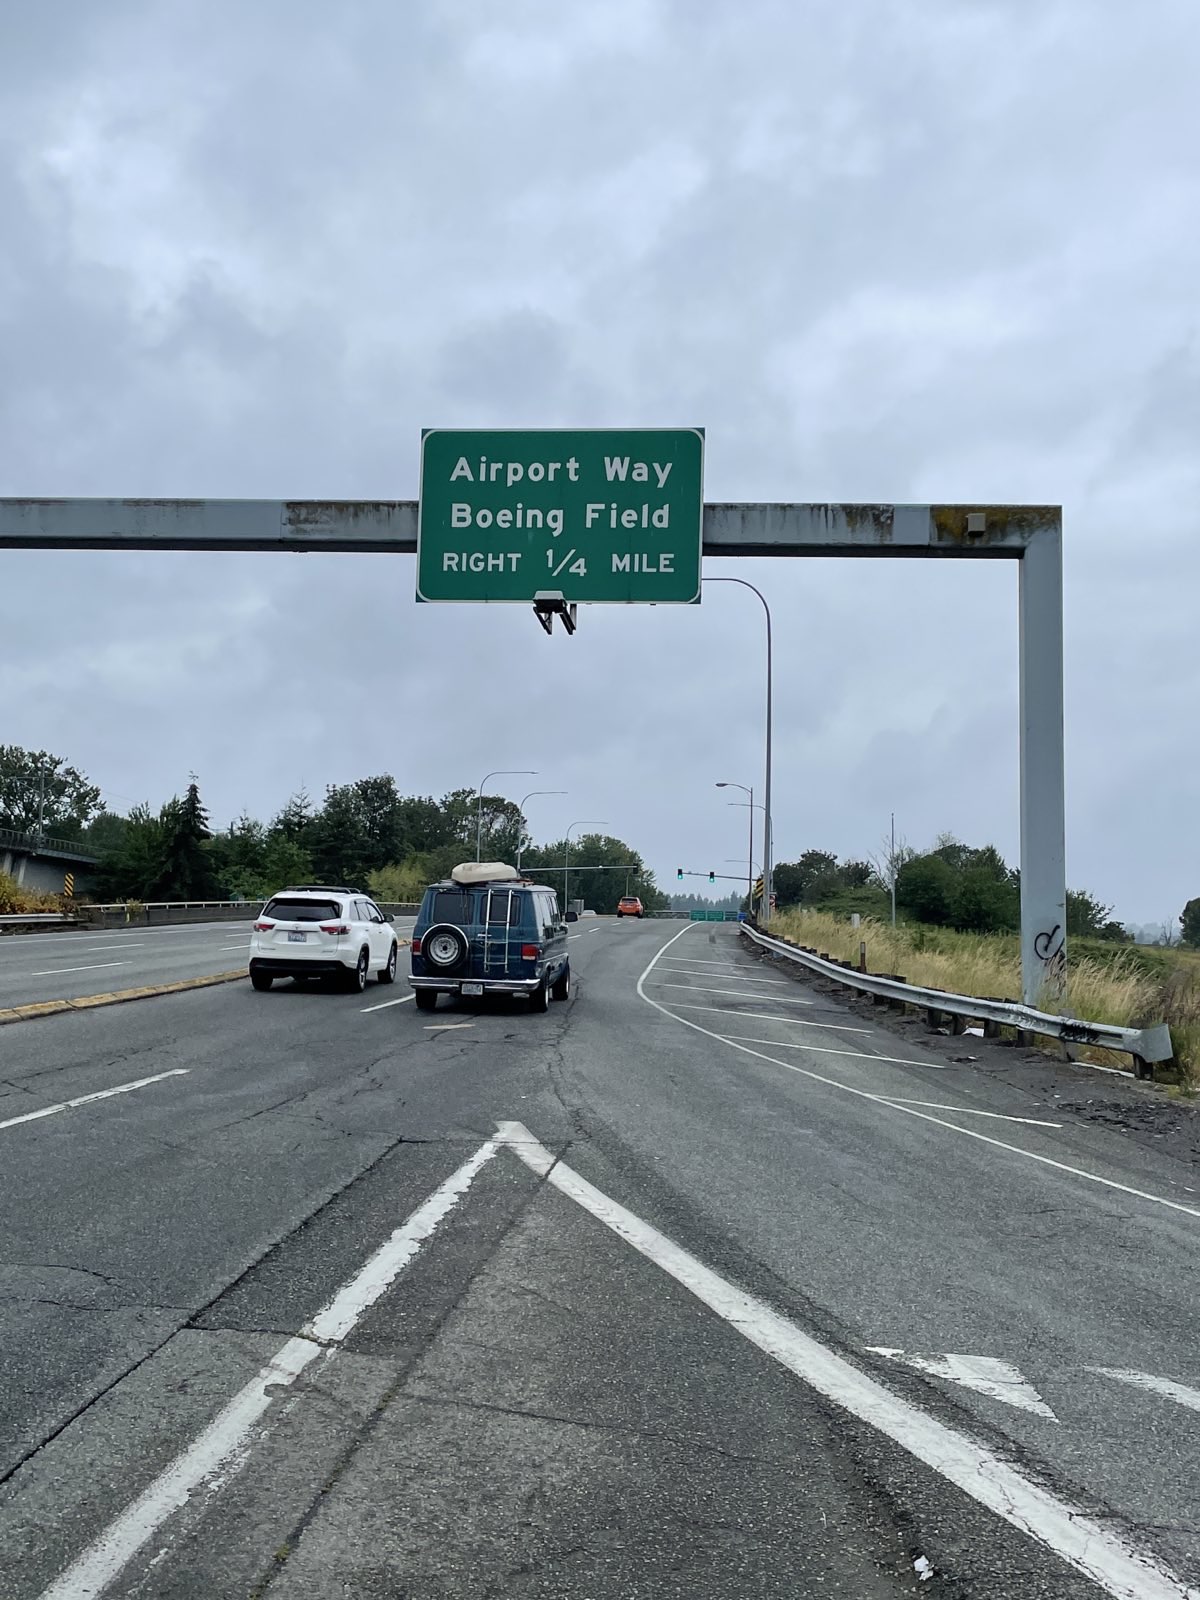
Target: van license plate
(472,988)
(296,938)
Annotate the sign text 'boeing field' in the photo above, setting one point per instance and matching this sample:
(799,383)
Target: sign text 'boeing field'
(610,516)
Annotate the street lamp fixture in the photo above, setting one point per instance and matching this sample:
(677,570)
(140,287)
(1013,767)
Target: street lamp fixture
(521,835)
(500,772)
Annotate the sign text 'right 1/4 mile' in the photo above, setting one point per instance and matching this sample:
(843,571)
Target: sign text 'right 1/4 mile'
(609,516)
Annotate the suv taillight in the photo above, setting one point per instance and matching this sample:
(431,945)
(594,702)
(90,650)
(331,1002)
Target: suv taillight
(335,927)
(263,927)
(416,947)
(530,952)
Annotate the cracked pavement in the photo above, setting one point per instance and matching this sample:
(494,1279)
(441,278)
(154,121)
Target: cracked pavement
(533,1409)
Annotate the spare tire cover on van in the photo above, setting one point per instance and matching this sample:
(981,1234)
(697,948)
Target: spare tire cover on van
(445,947)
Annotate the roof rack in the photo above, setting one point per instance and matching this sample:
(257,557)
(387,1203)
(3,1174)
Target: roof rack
(317,888)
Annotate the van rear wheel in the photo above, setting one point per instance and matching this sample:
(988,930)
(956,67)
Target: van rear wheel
(562,987)
(539,1000)
(426,999)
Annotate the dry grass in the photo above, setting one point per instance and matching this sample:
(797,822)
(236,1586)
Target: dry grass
(16,900)
(1118,984)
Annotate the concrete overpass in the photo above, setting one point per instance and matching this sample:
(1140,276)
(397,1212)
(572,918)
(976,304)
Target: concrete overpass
(42,863)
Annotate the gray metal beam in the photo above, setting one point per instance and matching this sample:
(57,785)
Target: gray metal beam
(390,526)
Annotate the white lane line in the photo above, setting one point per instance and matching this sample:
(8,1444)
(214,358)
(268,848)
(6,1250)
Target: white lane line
(575,936)
(111,944)
(741,977)
(967,1111)
(403,1000)
(828,1050)
(53,972)
(1145,1380)
(446,1027)
(100,1094)
(704,988)
(1089,1546)
(217,1453)
(907,1111)
(696,961)
(755,1016)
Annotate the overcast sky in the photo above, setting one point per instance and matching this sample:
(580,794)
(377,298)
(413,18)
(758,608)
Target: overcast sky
(879,251)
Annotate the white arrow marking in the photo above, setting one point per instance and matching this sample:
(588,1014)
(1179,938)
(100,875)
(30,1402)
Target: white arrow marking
(1144,1380)
(997,1379)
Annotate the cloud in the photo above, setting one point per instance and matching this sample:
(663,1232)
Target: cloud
(880,252)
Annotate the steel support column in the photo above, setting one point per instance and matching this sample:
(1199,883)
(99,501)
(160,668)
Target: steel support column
(1043,802)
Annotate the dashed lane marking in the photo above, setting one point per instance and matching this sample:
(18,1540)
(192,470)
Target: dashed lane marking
(100,1094)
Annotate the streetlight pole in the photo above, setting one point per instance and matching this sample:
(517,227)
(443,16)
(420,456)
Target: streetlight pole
(584,822)
(521,808)
(750,857)
(754,806)
(892,874)
(768,831)
(501,772)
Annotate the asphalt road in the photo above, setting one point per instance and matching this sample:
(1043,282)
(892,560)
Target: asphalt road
(67,966)
(700,1285)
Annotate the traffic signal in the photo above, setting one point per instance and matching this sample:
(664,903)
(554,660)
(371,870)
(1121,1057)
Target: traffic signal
(712,877)
(679,872)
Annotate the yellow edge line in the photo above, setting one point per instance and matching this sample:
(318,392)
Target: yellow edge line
(53,1008)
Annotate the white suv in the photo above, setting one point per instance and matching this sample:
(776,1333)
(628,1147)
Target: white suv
(313,931)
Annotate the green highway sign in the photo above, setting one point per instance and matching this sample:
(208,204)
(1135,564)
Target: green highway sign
(600,516)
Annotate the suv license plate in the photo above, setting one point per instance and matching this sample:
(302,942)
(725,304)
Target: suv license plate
(296,938)
(472,988)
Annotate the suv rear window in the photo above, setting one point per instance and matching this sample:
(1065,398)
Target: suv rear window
(452,905)
(285,910)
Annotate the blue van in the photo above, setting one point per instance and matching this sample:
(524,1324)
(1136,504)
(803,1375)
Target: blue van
(487,930)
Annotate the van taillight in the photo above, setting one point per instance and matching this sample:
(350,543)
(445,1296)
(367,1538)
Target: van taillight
(530,952)
(416,947)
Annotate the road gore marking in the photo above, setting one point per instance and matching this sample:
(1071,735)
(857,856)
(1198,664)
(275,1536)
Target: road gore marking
(219,1452)
(1089,1546)
(100,1094)
(883,1100)
(1179,1392)
(999,1380)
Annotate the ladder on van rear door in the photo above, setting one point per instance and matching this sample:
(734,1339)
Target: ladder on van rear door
(496,933)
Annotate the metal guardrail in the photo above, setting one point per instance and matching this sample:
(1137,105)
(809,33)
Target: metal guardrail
(37,919)
(178,905)
(1145,1045)
(35,844)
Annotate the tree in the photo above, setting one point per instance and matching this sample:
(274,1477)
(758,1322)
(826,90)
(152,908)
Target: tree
(925,889)
(983,901)
(131,866)
(1190,923)
(294,821)
(186,867)
(1086,917)
(36,786)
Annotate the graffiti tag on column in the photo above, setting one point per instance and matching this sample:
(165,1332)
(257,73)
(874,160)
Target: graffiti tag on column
(1050,949)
